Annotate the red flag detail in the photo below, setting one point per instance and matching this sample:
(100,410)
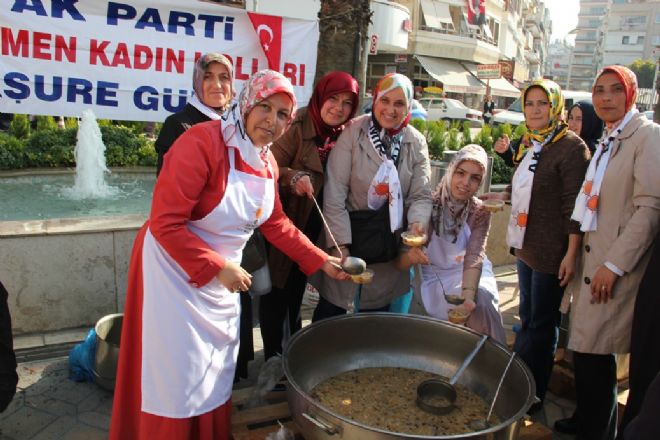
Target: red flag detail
(269,32)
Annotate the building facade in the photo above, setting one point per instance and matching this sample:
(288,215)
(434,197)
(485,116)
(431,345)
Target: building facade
(588,50)
(558,62)
(444,48)
(632,32)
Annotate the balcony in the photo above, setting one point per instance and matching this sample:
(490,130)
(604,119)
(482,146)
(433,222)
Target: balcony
(459,45)
(388,23)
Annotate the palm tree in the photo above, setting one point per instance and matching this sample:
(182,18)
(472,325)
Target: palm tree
(343,26)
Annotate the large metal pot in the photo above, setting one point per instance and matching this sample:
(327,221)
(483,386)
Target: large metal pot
(108,335)
(332,346)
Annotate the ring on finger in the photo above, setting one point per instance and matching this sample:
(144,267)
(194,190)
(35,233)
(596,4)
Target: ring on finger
(603,287)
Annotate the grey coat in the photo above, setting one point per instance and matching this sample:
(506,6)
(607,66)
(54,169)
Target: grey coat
(352,164)
(628,220)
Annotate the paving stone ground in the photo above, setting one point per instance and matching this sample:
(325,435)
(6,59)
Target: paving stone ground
(50,406)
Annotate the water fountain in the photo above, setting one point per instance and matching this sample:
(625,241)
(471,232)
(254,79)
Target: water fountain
(67,237)
(90,161)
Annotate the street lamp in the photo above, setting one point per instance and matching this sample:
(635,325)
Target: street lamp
(570,58)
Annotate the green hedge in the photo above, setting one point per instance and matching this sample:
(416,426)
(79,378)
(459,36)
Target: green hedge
(48,146)
(441,136)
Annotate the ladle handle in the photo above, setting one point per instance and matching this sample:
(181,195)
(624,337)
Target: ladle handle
(468,359)
(499,385)
(341,255)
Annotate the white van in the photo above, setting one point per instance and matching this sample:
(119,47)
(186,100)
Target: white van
(514,114)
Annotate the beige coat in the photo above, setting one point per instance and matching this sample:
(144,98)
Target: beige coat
(351,166)
(628,220)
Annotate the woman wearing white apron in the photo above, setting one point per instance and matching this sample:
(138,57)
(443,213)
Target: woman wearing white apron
(455,261)
(181,319)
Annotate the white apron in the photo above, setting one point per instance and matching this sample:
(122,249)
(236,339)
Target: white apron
(190,334)
(446,270)
(521,194)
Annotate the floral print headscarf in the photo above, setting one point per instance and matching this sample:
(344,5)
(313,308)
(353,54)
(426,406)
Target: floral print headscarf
(556,128)
(262,85)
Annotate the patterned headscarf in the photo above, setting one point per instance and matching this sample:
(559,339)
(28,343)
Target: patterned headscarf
(331,84)
(258,87)
(202,65)
(262,85)
(388,83)
(627,78)
(449,215)
(556,128)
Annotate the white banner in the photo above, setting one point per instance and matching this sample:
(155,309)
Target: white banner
(134,61)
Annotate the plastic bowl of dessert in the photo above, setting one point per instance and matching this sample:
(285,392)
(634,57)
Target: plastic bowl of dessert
(365,277)
(493,205)
(412,239)
(458,316)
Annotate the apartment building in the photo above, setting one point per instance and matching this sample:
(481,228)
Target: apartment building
(588,51)
(632,32)
(444,49)
(557,62)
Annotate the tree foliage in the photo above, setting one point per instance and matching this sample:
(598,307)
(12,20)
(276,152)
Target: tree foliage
(645,71)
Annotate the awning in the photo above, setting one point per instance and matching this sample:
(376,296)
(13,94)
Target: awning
(502,87)
(499,86)
(436,13)
(453,76)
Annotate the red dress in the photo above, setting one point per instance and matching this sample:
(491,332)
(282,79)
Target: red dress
(191,186)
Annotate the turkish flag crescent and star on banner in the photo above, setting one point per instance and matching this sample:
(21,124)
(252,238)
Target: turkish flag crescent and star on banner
(476,10)
(269,32)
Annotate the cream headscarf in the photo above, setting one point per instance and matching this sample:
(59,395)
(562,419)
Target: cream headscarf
(449,215)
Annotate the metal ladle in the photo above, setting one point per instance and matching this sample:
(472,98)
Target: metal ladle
(437,396)
(350,265)
(480,424)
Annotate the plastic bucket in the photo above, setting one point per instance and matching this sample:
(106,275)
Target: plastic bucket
(108,335)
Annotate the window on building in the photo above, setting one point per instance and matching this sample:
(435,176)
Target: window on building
(640,40)
(625,40)
(656,40)
(657,18)
(634,19)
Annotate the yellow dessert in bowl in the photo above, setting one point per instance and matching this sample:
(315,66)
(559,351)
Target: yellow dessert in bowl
(413,240)
(364,278)
(458,316)
(493,205)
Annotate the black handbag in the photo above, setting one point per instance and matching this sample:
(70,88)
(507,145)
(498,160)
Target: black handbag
(371,236)
(254,253)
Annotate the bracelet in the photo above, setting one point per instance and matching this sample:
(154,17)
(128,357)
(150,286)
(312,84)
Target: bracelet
(341,246)
(470,288)
(297,177)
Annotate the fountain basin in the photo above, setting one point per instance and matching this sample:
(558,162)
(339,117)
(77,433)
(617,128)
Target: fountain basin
(66,273)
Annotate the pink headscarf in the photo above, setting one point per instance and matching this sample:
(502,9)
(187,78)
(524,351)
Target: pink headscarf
(262,85)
